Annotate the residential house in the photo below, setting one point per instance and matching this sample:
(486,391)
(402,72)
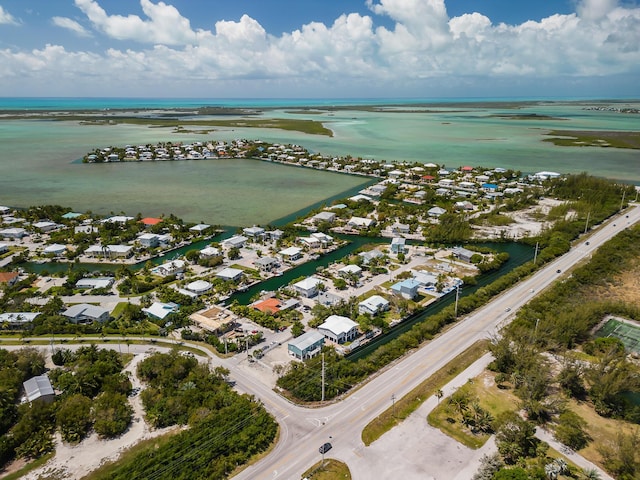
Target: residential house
(401,228)
(323,238)
(373,305)
(236,241)
(199,287)
(360,222)
(39,389)
(55,249)
(425,279)
(4,247)
(398,245)
(109,251)
(435,212)
(324,217)
(339,329)
(15,232)
(209,252)
(269,305)
(348,270)
(463,254)
(17,319)
(253,232)
(230,274)
(308,287)
(10,278)
(307,345)
(290,254)
(150,221)
(266,264)
(100,282)
(370,255)
(86,313)
(199,228)
(407,288)
(45,226)
(159,310)
(173,267)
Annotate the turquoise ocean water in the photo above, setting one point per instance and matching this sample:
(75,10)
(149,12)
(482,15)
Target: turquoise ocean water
(38,158)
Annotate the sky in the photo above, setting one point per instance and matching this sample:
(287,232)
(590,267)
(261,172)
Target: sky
(320,48)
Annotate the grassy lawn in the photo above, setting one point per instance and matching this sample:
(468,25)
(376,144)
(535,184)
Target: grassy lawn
(409,403)
(331,470)
(491,398)
(117,312)
(20,473)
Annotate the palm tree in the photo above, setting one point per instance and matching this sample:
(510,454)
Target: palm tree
(591,474)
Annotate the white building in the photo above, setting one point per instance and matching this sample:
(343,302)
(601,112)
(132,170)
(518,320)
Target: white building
(373,305)
(86,313)
(308,287)
(339,329)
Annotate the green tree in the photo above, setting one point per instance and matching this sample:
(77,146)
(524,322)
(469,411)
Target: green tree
(112,414)
(73,417)
(297,328)
(571,430)
(515,438)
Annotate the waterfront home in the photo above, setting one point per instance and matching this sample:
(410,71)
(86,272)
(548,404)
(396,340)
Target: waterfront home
(150,221)
(16,233)
(4,247)
(290,254)
(542,176)
(199,287)
(253,232)
(275,234)
(463,254)
(323,238)
(373,305)
(360,198)
(86,313)
(407,288)
(400,228)
(39,389)
(55,249)
(173,267)
(307,345)
(360,222)
(323,217)
(309,242)
(338,329)
(308,287)
(87,229)
(214,319)
(10,278)
(230,274)
(45,226)
(109,251)
(199,228)
(117,219)
(266,264)
(159,310)
(269,305)
(398,245)
(90,283)
(152,240)
(17,319)
(370,255)
(4,210)
(350,270)
(236,241)
(425,279)
(209,252)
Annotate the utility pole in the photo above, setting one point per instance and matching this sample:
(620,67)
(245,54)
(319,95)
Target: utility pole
(246,342)
(586,226)
(393,404)
(457,296)
(624,192)
(535,254)
(322,388)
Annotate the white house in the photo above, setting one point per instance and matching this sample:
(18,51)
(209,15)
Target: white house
(54,249)
(436,212)
(101,282)
(266,264)
(236,241)
(18,319)
(39,388)
(149,240)
(13,233)
(308,287)
(373,305)
(160,311)
(199,228)
(350,270)
(199,287)
(360,222)
(307,345)
(230,274)
(370,255)
(209,252)
(109,251)
(323,217)
(253,232)
(85,313)
(323,238)
(174,267)
(339,329)
(45,226)
(291,254)
(4,247)
(398,245)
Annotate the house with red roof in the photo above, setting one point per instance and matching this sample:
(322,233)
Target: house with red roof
(150,221)
(8,277)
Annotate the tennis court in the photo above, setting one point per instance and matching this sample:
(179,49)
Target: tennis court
(628,334)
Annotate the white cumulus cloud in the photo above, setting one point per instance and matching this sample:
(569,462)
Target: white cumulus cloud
(7,18)
(424,44)
(70,24)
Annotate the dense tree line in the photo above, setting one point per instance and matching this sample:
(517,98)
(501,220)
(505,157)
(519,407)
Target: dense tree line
(225,429)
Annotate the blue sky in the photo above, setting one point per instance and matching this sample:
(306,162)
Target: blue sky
(320,48)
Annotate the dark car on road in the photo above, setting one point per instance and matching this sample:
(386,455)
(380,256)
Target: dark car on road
(325,448)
